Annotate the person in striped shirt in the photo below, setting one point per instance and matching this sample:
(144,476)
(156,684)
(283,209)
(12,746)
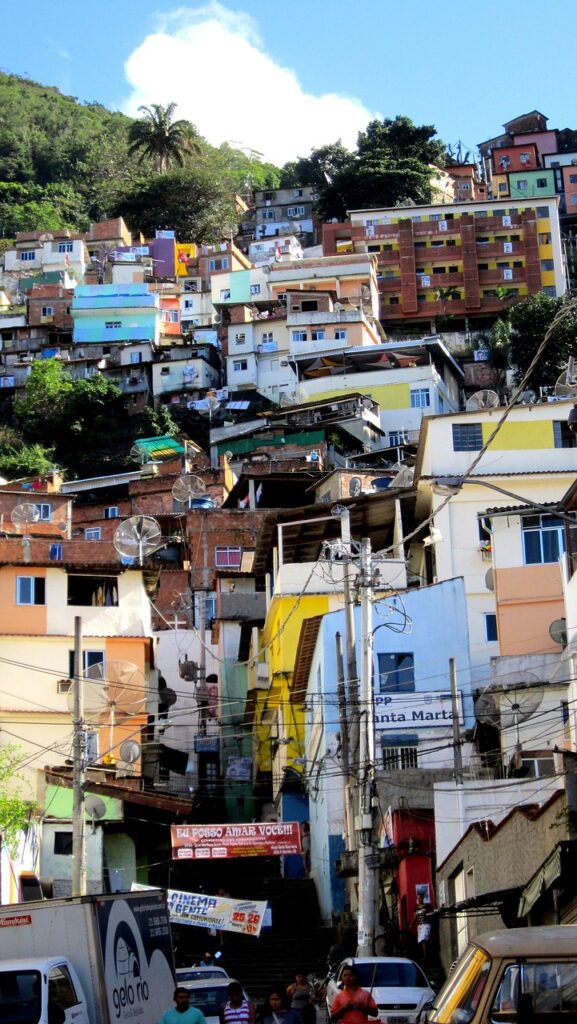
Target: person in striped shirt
(237,1009)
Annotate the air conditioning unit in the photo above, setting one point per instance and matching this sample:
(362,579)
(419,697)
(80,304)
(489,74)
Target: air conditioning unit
(63,685)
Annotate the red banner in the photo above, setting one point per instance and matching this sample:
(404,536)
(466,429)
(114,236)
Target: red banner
(212,842)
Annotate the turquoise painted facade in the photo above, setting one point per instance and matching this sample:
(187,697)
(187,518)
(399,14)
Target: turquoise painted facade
(532,184)
(105,313)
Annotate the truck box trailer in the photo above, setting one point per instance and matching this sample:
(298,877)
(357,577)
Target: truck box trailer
(86,960)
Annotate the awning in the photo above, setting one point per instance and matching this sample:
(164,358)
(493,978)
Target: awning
(497,901)
(559,863)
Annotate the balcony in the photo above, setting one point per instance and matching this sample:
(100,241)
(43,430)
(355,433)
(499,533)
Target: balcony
(336,316)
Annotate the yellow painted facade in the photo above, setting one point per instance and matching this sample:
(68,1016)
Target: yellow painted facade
(183,252)
(536,434)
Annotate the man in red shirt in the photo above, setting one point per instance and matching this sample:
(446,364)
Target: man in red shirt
(354,1005)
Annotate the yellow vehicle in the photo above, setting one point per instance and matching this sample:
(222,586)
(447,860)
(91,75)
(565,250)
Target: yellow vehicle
(517,976)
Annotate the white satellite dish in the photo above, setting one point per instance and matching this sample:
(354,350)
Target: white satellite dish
(25,514)
(207,406)
(355,486)
(566,384)
(528,397)
(484,399)
(140,454)
(137,537)
(129,751)
(95,809)
(112,693)
(188,486)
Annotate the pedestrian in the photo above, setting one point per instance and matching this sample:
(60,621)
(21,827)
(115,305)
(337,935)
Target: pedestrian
(354,1005)
(276,1009)
(237,1009)
(305,832)
(421,919)
(183,1012)
(302,996)
(207,959)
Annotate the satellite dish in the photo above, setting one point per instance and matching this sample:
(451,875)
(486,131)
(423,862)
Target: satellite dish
(293,396)
(528,397)
(188,486)
(137,537)
(558,631)
(486,710)
(490,579)
(112,697)
(520,696)
(47,237)
(566,385)
(482,400)
(207,406)
(140,454)
(355,486)
(94,807)
(25,514)
(129,751)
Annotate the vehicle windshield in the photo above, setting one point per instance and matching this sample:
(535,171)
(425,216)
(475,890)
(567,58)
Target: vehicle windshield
(194,974)
(209,998)
(390,975)
(20,997)
(457,1001)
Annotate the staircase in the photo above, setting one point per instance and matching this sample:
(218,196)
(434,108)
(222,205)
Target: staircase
(296,940)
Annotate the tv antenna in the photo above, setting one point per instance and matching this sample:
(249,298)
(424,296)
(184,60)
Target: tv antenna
(111,694)
(140,454)
(23,516)
(566,385)
(187,487)
(484,399)
(137,537)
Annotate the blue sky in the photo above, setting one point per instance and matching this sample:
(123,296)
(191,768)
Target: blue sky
(280,77)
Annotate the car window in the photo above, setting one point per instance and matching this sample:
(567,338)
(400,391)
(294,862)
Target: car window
(548,992)
(390,975)
(209,998)
(192,975)
(20,996)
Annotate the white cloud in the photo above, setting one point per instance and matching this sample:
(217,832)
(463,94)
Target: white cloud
(212,62)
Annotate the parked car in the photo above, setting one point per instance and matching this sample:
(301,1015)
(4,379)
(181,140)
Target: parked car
(208,995)
(199,973)
(398,986)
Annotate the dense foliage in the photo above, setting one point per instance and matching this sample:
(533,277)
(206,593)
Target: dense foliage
(530,320)
(81,425)
(391,165)
(64,163)
(15,810)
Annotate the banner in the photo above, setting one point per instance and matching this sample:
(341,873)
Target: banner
(245,917)
(212,842)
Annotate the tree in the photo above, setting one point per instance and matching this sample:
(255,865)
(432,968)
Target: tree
(530,320)
(40,411)
(319,169)
(19,459)
(15,811)
(157,137)
(194,202)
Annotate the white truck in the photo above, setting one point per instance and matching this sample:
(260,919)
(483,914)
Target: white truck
(86,960)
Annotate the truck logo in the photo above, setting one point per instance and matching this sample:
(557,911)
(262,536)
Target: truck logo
(130,988)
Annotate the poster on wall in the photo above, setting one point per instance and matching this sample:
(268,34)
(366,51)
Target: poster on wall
(244,917)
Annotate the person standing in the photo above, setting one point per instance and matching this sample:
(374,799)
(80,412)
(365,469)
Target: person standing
(422,920)
(237,1009)
(276,1009)
(354,1005)
(182,1012)
(302,996)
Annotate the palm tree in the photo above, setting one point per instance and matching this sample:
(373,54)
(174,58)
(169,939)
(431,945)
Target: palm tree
(157,136)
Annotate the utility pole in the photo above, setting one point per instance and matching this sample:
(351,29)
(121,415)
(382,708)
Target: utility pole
(457,752)
(78,771)
(366,752)
(344,722)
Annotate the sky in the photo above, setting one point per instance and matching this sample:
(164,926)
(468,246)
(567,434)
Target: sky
(279,78)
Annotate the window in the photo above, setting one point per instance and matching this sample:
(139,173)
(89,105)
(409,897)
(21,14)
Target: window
(317,335)
(268,214)
(255,289)
(491,628)
(550,290)
(299,335)
(240,339)
(543,538)
(340,334)
(238,365)
(420,398)
(218,264)
(522,184)
(309,305)
(65,247)
(394,300)
(297,193)
(111,512)
(295,211)
(266,336)
(89,659)
(60,987)
(502,186)
(542,211)
(112,325)
(549,989)
(45,512)
(30,590)
(165,371)
(396,673)
(47,310)
(93,533)
(547,265)
(541,182)
(573,200)
(573,179)
(63,844)
(93,591)
(563,437)
(400,758)
(224,294)
(227,558)
(169,316)
(467,437)
(398,437)
(28,255)
(209,609)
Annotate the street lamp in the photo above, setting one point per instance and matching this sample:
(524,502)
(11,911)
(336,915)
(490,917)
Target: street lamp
(450,485)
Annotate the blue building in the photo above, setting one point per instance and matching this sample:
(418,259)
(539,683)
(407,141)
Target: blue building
(112,313)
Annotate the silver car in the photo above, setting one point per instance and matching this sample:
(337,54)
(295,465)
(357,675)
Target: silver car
(398,986)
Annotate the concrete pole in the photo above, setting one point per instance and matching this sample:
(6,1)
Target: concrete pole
(364,824)
(457,752)
(351,677)
(78,771)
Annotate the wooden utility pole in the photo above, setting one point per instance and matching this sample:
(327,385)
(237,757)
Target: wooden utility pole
(78,771)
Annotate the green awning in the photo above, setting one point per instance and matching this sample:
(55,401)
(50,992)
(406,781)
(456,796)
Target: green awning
(160,448)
